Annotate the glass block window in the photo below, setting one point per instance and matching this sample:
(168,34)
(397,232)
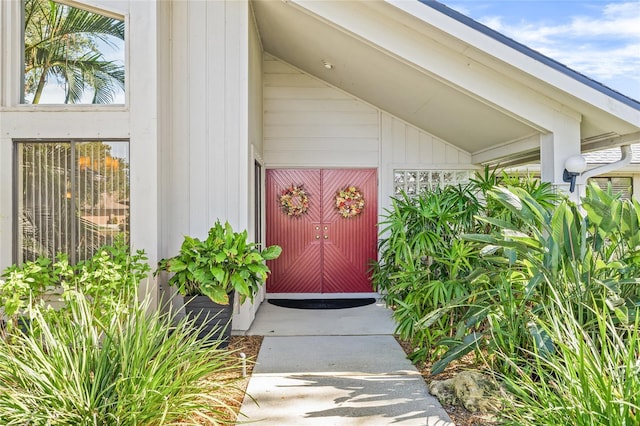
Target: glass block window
(71,197)
(415,181)
(619,184)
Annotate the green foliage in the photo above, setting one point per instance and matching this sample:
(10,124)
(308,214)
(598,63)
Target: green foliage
(423,264)
(591,377)
(109,272)
(137,367)
(219,264)
(437,281)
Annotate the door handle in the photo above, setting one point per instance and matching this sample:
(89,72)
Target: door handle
(326,237)
(317,237)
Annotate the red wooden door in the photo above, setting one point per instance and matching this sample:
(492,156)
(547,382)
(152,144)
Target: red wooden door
(322,251)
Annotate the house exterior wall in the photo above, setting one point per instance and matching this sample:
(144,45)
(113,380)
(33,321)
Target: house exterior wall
(309,123)
(206,158)
(244,314)
(135,121)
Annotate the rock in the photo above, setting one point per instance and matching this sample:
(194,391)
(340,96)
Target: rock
(469,389)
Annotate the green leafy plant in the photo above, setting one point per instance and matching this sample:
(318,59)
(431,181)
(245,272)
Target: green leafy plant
(102,278)
(138,367)
(592,377)
(223,262)
(439,283)
(589,257)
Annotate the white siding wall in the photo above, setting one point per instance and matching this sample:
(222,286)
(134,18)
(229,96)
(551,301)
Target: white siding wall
(205,164)
(245,314)
(403,146)
(205,160)
(309,123)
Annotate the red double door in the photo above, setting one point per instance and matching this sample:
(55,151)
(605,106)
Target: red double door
(322,250)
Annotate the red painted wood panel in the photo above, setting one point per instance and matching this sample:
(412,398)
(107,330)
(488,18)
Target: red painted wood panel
(298,269)
(322,251)
(351,245)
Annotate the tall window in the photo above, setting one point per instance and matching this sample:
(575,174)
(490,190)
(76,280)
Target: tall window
(72,55)
(70,197)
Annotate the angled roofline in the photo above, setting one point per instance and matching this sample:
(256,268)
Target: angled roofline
(552,63)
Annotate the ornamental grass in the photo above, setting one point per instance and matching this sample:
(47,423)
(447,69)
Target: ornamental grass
(139,367)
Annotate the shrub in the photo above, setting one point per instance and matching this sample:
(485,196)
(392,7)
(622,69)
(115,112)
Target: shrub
(588,378)
(140,367)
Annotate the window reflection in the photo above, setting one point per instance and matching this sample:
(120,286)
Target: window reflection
(71,55)
(74,197)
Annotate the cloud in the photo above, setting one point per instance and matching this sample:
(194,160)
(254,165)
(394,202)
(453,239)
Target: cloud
(605,46)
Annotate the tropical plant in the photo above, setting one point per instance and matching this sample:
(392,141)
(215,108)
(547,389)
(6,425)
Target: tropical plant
(591,377)
(423,264)
(221,263)
(432,276)
(138,367)
(61,43)
(588,257)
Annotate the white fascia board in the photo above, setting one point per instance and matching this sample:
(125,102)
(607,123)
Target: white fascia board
(511,57)
(471,77)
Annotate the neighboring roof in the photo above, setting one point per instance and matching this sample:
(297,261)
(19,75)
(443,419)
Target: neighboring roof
(532,53)
(611,155)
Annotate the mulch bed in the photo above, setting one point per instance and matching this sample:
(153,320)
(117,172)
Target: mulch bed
(459,415)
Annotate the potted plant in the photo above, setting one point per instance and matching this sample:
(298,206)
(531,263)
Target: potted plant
(209,272)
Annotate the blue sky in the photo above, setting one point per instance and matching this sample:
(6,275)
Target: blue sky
(599,38)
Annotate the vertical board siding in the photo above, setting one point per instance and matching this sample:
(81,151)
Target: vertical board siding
(407,146)
(207,155)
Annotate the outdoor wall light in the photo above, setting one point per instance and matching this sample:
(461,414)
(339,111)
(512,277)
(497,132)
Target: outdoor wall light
(574,165)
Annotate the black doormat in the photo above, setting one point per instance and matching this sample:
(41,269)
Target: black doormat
(322,303)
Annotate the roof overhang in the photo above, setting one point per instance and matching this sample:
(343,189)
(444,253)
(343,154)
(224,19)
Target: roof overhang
(425,64)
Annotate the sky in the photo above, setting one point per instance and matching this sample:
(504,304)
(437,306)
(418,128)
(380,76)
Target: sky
(598,38)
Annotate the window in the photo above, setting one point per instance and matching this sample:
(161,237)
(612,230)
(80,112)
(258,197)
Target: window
(415,181)
(70,197)
(71,55)
(619,185)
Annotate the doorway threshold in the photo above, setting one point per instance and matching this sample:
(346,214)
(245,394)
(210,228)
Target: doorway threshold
(375,295)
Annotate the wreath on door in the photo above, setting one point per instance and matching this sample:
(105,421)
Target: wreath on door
(294,200)
(349,202)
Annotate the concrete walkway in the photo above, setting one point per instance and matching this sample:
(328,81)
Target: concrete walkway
(335,367)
